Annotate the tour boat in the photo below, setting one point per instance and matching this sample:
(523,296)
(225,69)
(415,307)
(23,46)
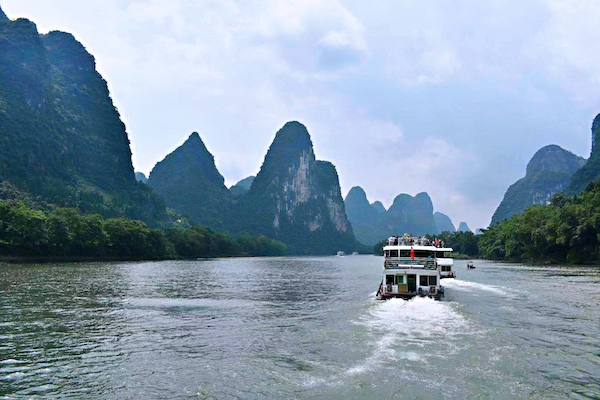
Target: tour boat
(341,254)
(413,267)
(445,261)
(470,265)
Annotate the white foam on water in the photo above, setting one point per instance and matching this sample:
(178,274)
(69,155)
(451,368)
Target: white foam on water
(11,361)
(166,303)
(470,286)
(13,377)
(400,325)
(420,317)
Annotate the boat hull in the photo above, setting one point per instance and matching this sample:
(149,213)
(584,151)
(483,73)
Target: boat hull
(407,296)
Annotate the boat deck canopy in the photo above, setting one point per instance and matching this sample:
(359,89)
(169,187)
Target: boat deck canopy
(417,248)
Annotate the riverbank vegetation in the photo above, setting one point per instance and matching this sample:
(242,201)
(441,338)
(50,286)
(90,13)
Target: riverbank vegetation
(567,230)
(66,233)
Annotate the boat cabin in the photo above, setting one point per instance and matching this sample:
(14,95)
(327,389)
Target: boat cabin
(445,262)
(414,267)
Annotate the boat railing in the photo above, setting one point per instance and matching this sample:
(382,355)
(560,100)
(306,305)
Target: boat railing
(409,263)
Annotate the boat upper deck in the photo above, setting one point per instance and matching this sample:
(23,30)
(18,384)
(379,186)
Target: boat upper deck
(414,253)
(419,248)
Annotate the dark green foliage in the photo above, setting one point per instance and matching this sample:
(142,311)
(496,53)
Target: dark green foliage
(61,139)
(549,172)
(190,183)
(566,230)
(463,242)
(378,247)
(204,242)
(96,139)
(67,233)
(591,170)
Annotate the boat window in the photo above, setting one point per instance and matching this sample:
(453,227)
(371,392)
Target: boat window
(404,253)
(389,279)
(432,280)
(423,280)
(393,253)
(387,253)
(399,279)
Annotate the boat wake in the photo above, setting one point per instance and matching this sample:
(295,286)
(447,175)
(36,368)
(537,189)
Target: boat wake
(457,284)
(420,317)
(404,330)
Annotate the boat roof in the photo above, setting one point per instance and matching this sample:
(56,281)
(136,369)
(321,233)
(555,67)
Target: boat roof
(417,247)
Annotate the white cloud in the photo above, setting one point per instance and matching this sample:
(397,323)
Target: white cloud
(568,46)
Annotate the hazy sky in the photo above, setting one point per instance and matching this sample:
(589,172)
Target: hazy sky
(451,97)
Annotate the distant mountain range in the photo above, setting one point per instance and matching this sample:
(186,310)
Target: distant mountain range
(242,186)
(141,177)
(443,223)
(463,227)
(414,215)
(62,143)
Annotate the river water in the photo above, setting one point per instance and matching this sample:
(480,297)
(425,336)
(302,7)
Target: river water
(288,328)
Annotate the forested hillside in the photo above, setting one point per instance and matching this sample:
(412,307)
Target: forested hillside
(67,234)
(61,138)
(567,230)
(548,172)
(591,170)
(190,183)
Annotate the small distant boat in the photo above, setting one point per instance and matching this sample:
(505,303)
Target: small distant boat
(470,265)
(355,253)
(341,254)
